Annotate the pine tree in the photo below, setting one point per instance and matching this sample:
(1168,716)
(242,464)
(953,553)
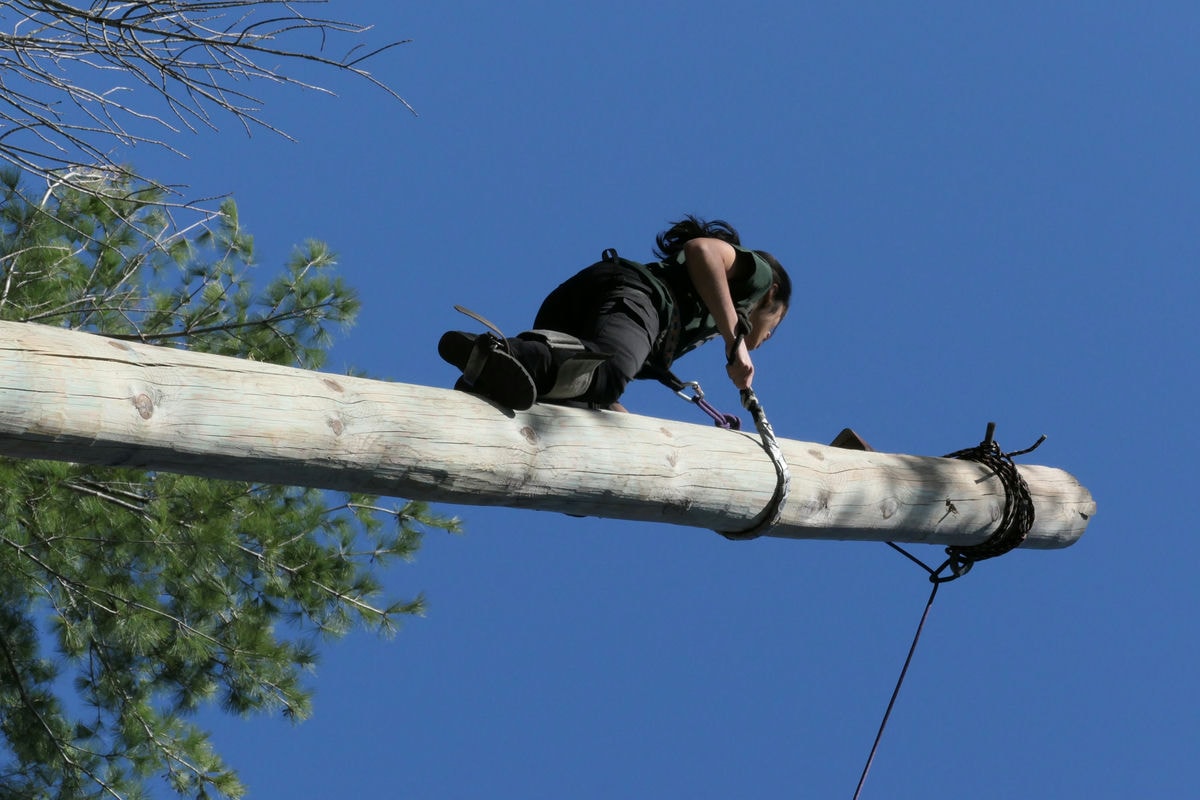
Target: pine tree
(127,598)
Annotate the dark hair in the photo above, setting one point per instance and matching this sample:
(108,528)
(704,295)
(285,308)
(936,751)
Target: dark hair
(672,240)
(783,281)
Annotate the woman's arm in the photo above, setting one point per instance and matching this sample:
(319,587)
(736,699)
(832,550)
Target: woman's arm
(711,264)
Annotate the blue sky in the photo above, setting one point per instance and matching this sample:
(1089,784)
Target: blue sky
(989,215)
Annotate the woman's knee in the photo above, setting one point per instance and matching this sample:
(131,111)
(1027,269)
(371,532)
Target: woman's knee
(608,384)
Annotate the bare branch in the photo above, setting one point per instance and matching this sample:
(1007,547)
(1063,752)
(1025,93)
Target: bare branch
(75,82)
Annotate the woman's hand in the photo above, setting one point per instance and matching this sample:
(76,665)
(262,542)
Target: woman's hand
(740,367)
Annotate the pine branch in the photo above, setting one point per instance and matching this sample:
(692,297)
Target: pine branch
(171,757)
(340,596)
(59,745)
(227,327)
(96,490)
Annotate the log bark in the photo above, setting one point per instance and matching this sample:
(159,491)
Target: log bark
(84,398)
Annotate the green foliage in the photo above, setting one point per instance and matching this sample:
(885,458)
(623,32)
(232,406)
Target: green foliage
(130,599)
(112,262)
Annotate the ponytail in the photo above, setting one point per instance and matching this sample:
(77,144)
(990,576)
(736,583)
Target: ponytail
(671,241)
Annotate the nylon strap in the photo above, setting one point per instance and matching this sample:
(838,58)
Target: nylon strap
(783,475)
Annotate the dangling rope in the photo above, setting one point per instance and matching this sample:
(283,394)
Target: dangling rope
(1014,526)
(900,682)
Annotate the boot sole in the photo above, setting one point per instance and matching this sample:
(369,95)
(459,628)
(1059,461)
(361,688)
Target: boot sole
(502,378)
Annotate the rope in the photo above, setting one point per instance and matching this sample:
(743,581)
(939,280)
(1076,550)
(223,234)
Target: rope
(937,579)
(1014,526)
(900,682)
(1018,516)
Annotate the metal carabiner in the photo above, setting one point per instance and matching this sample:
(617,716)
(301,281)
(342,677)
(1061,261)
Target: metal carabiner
(721,420)
(695,387)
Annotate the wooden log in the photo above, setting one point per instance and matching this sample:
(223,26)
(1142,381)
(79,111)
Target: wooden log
(83,398)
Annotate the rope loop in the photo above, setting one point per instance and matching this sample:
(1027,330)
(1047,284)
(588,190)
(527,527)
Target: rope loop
(958,565)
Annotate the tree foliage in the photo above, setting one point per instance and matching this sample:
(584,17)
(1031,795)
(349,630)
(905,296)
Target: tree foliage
(129,599)
(78,79)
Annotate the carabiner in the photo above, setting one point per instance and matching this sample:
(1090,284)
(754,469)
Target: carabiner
(695,387)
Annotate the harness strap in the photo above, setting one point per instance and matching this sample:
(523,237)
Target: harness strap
(783,475)
(484,346)
(672,382)
(740,331)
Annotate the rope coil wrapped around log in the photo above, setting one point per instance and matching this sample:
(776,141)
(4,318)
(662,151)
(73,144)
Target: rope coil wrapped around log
(1018,517)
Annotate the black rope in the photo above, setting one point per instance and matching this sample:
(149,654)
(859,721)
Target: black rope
(1018,516)
(1014,526)
(899,682)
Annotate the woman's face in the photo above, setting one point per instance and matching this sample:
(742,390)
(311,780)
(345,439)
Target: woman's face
(764,319)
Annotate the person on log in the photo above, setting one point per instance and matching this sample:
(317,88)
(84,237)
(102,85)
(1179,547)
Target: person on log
(620,319)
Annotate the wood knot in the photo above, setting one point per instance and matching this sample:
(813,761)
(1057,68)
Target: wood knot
(530,434)
(889,507)
(144,405)
(120,346)
(332,384)
(336,425)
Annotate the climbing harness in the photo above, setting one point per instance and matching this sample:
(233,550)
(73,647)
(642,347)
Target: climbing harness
(1014,526)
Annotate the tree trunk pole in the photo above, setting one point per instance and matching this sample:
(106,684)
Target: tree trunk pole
(78,397)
